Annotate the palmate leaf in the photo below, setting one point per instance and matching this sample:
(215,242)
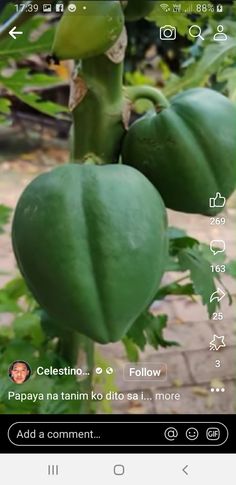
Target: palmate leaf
(180,20)
(147,329)
(201,275)
(178,240)
(27,326)
(175,245)
(16,288)
(131,349)
(36,38)
(21,83)
(198,73)
(7,305)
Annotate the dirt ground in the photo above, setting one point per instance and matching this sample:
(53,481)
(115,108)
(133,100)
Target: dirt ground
(191,367)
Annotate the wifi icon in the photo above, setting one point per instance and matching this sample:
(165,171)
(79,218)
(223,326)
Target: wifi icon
(165,7)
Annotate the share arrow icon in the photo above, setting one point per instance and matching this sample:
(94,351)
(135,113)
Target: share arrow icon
(217,295)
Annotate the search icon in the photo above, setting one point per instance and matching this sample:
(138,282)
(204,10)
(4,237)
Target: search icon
(195,31)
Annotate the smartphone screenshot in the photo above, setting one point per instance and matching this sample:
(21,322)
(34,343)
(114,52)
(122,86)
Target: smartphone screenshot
(117,241)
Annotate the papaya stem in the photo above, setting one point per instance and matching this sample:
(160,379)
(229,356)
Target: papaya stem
(78,351)
(98,126)
(134,93)
(86,362)
(68,345)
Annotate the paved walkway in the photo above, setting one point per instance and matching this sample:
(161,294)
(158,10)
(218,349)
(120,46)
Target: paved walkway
(192,370)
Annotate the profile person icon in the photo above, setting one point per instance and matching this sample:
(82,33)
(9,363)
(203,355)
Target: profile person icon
(19,371)
(220,35)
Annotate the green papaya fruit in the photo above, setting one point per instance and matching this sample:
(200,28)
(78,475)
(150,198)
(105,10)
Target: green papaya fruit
(90,31)
(137,9)
(91,242)
(187,150)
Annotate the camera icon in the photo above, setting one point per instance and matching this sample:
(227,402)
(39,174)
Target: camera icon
(167,32)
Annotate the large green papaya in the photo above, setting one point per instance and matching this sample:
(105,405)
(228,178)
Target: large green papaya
(91,243)
(90,31)
(137,9)
(187,150)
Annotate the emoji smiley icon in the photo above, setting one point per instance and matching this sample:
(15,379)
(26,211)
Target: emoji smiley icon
(192,434)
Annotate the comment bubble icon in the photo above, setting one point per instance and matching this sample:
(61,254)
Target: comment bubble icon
(217,246)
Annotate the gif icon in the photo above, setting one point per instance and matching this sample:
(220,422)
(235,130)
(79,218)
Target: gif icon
(213,434)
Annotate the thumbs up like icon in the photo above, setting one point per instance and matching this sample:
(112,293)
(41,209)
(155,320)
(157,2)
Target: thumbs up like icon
(217,201)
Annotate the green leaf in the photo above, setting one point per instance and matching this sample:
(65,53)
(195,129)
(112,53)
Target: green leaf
(16,83)
(4,109)
(17,349)
(198,73)
(180,20)
(27,326)
(178,240)
(11,293)
(131,349)
(201,275)
(180,243)
(154,332)
(5,106)
(149,329)
(5,213)
(6,334)
(136,332)
(16,288)
(175,289)
(231,268)
(137,78)
(7,305)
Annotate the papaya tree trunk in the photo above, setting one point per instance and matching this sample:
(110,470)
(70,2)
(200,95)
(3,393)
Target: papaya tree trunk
(98,128)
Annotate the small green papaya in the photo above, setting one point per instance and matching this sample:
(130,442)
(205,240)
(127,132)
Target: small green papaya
(137,9)
(187,150)
(90,31)
(91,242)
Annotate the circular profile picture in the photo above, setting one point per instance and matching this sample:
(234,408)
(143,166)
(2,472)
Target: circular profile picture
(19,371)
